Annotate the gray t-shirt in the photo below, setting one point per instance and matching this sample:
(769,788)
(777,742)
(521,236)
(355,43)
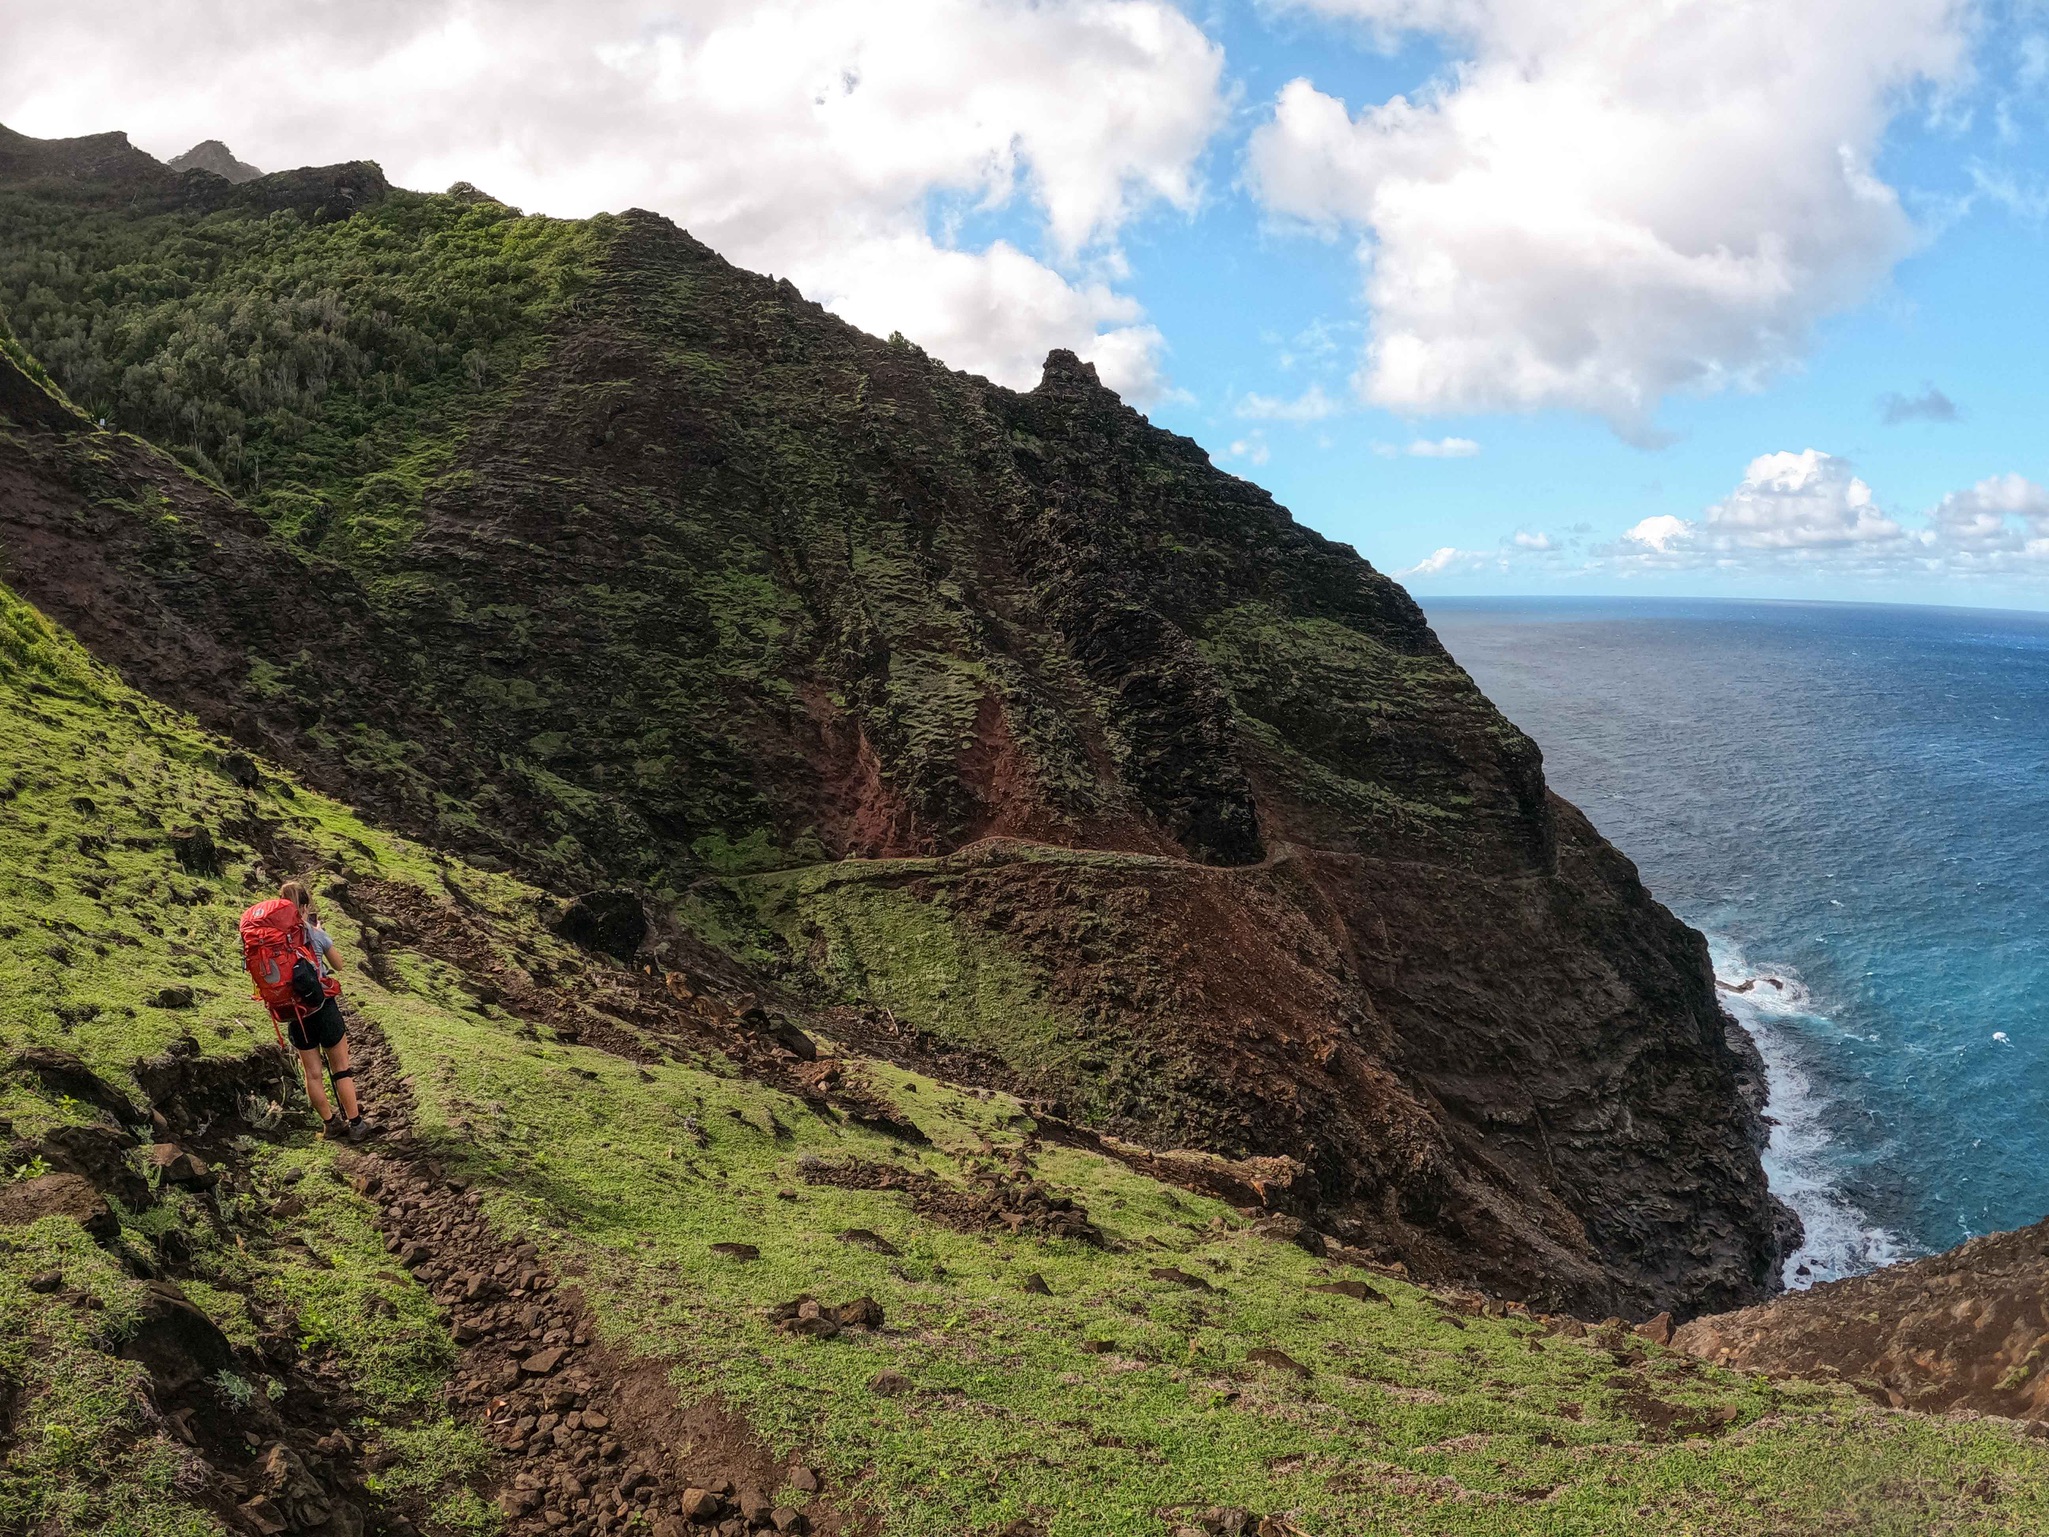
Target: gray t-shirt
(318,942)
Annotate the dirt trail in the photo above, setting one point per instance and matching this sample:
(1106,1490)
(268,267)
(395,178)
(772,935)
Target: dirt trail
(588,1440)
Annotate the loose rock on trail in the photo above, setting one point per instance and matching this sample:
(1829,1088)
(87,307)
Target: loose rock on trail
(588,1441)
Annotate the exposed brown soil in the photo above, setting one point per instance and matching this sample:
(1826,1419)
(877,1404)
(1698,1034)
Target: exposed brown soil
(1965,1329)
(1004,1199)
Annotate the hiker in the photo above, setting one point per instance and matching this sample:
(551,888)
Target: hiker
(294,975)
(324,955)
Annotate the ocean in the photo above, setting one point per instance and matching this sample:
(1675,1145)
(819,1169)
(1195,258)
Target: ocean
(1852,802)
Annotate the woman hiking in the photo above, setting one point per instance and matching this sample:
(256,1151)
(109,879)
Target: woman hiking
(294,963)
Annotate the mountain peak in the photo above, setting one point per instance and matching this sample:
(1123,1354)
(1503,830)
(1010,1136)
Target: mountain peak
(212,155)
(1065,368)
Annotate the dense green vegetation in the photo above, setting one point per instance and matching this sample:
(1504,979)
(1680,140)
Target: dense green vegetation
(1114,1400)
(323,372)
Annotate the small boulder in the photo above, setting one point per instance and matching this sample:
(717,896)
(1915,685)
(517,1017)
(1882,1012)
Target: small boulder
(609,922)
(701,1505)
(195,850)
(786,1518)
(889,1383)
(740,1251)
(1281,1228)
(1035,1285)
(263,1516)
(542,1362)
(1280,1360)
(1657,1330)
(815,1320)
(43,1282)
(862,1238)
(779,1030)
(174,1341)
(58,1195)
(239,768)
(804,1480)
(1175,1277)
(175,1166)
(174,997)
(862,1313)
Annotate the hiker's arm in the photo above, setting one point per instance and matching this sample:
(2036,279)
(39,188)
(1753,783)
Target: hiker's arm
(332,955)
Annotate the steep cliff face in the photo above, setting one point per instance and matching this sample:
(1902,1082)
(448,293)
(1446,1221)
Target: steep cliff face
(1000,731)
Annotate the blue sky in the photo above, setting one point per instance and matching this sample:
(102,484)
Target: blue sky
(1967,311)
(1637,276)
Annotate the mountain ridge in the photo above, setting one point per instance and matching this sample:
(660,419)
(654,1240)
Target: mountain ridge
(937,911)
(637,619)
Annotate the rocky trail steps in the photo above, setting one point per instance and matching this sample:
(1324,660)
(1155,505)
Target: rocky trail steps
(588,1441)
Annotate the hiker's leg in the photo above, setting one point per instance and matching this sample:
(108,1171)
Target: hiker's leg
(338,1059)
(309,1064)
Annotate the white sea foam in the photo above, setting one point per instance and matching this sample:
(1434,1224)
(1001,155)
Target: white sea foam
(1802,1160)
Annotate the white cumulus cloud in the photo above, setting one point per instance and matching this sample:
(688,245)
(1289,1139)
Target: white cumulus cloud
(1601,204)
(1661,533)
(1312,405)
(1802,503)
(1443,561)
(2000,515)
(1811,511)
(1806,500)
(1443,448)
(811,138)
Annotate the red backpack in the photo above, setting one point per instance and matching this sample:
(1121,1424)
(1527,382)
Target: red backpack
(273,945)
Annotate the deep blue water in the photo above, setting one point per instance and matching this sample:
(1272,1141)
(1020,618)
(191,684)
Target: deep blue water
(1852,800)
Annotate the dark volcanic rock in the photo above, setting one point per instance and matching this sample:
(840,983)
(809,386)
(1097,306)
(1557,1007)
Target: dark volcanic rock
(58,1195)
(101,1155)
(64,1075)
(777,1027)
(196,850)
(610,922)
(175,1341)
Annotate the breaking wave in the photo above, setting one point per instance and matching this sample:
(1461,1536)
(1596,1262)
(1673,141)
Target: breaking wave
(1802,1161)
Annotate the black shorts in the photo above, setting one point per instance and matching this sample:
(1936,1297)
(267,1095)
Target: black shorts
(321,1029)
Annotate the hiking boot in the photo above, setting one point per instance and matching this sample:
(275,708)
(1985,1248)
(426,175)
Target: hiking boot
(362,1128)
(332,1127)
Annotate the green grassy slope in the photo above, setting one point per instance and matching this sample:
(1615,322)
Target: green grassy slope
(98,917)
(1412,1415)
